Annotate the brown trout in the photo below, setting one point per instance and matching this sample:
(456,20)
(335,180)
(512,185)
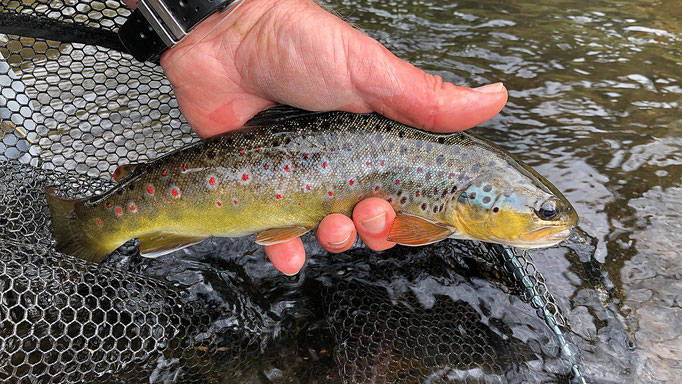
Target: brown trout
(288,168)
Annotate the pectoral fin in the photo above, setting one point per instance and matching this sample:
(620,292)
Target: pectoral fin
(160,243)
(413,230)
(279,235)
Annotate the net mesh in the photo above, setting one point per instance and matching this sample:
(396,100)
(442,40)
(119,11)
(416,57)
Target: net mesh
(70,112)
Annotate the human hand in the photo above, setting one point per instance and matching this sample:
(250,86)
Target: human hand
(294,52)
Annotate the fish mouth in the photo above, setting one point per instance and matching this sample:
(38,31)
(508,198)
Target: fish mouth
(546,236)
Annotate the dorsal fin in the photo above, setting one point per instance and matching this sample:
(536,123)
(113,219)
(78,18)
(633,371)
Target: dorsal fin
(278,114)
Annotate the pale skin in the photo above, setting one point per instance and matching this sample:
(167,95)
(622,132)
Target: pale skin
(293,52)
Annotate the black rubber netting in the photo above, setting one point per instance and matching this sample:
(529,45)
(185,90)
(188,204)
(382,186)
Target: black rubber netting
(72,108)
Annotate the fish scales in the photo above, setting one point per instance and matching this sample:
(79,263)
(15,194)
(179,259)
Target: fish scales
(291,168)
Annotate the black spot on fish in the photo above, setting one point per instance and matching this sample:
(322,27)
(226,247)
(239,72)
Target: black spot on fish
(131,186)
(403,200)
(445,193)
(440,159)
(390,199)
(435,191)
(400,192)
(435,209)
(441,140)
(486,200)
(120,191)
(427,177)
(401,134)
(496,209)
(454,189)
(210,154)
(487,188)
(403,149)
(440,209)
(472,195)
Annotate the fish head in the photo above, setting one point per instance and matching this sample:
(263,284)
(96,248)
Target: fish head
(520,214)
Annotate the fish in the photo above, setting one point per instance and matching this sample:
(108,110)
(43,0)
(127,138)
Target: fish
(287,168)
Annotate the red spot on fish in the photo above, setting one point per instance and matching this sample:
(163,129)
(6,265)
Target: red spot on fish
(175,192)
(452,175)
(417,193)
(278,196)
(397,182)
(377,188)
(235,202)
(211,181)
(164,173)
(119,211)
(324,165)
(257,149)
(218,203)
(305,155)
(108,205)
(330,193)
(420,170)
(266,166)
(308,187)
(359,197)
(99,222)
(299,203)
(184,167)
(286,168)
(383,163)
(132,208)
(369,163)
(241,151)
(245,177)
(351,182)
(150,190)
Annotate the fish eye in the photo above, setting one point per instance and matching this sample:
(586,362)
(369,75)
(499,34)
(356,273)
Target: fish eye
(548,210)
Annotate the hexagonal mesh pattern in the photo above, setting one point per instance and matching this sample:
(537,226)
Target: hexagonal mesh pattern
(69,114)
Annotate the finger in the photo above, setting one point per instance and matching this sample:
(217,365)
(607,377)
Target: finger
(336,233)
(132,4)
(403,92)
(287,257)
(373,218)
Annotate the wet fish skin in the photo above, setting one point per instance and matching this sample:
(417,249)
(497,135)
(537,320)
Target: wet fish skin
(290,168)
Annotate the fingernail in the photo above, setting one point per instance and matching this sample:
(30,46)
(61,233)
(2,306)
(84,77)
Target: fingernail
(490,88)
(340,243)
(290,274)
(376,224)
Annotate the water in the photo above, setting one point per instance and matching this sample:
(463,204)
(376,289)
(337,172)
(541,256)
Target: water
(594,104)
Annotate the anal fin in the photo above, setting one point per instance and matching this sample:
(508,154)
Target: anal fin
(414,231)
(161,243)
(278,235)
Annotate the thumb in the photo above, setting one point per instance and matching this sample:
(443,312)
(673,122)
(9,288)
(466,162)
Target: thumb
(403,92)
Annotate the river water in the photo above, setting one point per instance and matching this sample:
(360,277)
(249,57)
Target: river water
(595,93)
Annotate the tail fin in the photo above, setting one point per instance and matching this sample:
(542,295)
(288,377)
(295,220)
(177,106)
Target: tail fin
(68,239)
